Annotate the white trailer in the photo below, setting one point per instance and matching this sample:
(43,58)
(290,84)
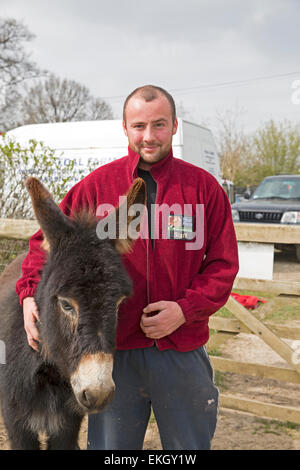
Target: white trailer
(95,143)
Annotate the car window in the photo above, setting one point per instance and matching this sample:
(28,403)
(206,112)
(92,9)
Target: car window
(283,189)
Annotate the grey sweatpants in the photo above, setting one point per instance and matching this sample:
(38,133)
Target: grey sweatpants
(181,390)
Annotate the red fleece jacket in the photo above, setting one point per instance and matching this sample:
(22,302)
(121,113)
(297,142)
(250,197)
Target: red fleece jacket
(200,281)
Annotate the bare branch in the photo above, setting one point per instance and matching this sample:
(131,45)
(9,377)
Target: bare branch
(57,100)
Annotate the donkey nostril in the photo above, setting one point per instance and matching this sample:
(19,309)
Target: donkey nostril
(87,399)
(95,399)
(84,396)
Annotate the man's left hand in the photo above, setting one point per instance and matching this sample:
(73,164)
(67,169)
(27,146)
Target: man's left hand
(167,320)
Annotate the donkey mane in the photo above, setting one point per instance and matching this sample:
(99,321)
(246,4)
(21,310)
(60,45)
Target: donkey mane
(85,218)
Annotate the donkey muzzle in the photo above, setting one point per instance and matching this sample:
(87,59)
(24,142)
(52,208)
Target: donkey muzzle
(92,382)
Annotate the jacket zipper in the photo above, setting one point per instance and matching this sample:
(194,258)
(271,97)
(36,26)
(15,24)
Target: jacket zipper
(153,228)
(149,249)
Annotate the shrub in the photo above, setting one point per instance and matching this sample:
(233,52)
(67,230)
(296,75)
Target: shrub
(16,163)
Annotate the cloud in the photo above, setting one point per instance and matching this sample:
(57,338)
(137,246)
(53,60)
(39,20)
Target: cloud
(113,47)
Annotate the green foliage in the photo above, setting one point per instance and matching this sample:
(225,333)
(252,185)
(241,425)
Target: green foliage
(16,163)
(274,149)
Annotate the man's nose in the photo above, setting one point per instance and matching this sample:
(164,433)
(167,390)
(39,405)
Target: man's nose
(149,134)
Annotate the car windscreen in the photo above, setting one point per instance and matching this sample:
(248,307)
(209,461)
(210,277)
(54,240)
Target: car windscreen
(278,188)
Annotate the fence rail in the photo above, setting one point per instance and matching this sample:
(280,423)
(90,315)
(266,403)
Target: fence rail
(262,233)
(18,229)
(267,233)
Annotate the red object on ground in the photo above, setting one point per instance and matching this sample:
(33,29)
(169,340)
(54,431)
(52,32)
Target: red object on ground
(248,301)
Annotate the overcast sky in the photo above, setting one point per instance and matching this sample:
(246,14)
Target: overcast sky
(212,55)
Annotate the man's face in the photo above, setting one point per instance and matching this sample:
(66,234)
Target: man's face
(150,129)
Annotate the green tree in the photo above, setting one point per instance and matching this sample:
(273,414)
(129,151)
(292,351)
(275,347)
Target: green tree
(275,150)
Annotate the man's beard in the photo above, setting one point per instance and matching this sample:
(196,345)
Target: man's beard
(158,155)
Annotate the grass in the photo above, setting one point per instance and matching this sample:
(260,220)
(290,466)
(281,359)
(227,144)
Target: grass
(152,417)
(220,378)
(285,313)
(9,249)
(224,313)
(285,308)
(275,427)
(215,351)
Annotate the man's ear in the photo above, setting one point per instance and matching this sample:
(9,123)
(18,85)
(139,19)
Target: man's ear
(124,128)
(175,126)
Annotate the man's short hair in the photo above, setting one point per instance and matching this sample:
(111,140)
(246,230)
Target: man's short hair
(150,93)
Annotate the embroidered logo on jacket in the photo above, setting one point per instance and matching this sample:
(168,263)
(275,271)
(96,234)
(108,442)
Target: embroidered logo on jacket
(180,227)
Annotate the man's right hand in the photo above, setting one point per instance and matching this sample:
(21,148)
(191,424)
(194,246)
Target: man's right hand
(31,316)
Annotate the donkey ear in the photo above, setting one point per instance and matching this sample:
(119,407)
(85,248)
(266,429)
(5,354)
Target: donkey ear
(51,219)
(136,196)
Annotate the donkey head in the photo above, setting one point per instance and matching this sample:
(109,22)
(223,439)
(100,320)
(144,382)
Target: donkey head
(82,285)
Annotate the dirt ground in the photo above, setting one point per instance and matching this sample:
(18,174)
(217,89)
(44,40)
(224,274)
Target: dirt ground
(236,430)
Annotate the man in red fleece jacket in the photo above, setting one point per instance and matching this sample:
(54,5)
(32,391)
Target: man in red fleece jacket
(180,278)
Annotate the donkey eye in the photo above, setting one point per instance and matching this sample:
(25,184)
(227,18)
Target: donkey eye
(66,306)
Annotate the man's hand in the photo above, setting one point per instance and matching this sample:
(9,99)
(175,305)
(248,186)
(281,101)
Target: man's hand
(167,320)
(31,316)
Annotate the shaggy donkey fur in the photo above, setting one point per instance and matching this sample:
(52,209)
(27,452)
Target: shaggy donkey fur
(82,284)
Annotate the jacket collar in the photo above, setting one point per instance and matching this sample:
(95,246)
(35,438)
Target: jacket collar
(159,171)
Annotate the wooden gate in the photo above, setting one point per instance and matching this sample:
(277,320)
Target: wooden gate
(245,321)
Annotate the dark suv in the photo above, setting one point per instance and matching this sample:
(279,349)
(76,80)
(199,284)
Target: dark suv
(275,201)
